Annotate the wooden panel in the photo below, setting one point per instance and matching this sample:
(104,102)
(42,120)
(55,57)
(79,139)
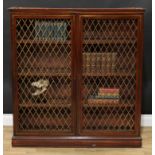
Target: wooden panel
(77,142)
(146,147)
(64,11)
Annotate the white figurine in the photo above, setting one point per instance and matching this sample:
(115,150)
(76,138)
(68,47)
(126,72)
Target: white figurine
(41,86)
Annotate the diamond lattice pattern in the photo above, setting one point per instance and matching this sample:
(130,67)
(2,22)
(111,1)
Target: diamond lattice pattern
(109,61)
(44,74)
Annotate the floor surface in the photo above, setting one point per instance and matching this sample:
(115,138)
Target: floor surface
(145,150)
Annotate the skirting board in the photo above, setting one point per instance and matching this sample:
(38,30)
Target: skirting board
(146,120)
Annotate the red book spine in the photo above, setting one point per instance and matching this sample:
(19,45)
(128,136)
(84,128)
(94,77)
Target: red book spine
(108,90)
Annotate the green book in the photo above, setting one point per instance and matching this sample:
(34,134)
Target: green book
(103,97)
(59,30)
(106,97)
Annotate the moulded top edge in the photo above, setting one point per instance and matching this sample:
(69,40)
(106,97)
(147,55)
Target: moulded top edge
(129,9)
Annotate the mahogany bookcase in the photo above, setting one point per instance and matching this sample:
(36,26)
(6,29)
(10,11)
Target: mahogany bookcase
(77,76)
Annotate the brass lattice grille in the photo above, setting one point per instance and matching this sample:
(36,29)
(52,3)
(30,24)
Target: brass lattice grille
(44,74)
(109,74)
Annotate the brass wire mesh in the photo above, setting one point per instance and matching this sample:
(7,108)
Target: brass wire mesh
(44,54)
(109,61)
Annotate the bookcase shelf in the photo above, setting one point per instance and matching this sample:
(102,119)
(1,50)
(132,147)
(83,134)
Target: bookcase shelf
(109,41)
(69,74)
(44,74)
(77,76)
(106,74)
(86,105)
(44,105)
(119,105)
(58,124)
(119,124)
(30,41)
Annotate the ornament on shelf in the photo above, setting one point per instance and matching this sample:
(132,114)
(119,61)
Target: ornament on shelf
(41,86)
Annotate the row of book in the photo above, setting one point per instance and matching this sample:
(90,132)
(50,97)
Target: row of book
(105,96)
(99,62)
(47,30)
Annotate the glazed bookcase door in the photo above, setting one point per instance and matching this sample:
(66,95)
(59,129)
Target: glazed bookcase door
(44,75)
(109,46)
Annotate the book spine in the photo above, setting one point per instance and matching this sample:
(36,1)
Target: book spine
(113,62)
(47,33)
(109,90)
(92,63)
(59,28)
(102,101)
(60,31)
(107,97)
(103,97)
(41,30)
(64,31)
(108,62)
(98,62)
(54,31)
(88,69)
(43,27)
(36,30)
(103,63)
(51,31)
(108,94)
